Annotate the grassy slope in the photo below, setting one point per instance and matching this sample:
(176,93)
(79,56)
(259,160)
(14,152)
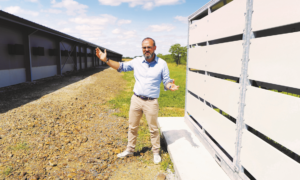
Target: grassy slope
(170,104)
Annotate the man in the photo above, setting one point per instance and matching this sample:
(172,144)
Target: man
(149,72)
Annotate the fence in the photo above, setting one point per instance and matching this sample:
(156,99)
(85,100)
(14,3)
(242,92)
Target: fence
(243,86)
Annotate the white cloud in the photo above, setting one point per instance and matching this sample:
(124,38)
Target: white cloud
(72,7)
(147,4)
(125,34)
(123,21)
(62,22)
(162,27)
(19,11)
(86,27)
(129,34)
(66,30)
(89,31)
(33,1)
(116,31)
(93,20)
(53,11)
(181,19)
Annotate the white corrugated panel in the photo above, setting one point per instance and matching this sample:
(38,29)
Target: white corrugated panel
(219,127)
(275,115)
(10,77)
(196,83)
(273,13)
(198,57)
(198,31)
(227,21)
(265,162)
(225,58)
(43,71)
(193,106)
(17,76)
(223,94)
(275,60)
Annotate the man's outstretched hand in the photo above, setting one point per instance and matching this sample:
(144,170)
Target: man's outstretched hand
(101,55)
(173,86)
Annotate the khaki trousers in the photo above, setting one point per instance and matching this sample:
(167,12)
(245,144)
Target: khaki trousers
(139,106)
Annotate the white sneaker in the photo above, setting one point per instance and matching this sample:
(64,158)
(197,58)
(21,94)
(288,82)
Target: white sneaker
(125,154)
(156,158)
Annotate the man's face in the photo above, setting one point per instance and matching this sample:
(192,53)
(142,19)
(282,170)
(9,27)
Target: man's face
(148,48)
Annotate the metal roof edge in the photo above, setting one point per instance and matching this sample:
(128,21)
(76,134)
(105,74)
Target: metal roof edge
(203,8)
(24,22)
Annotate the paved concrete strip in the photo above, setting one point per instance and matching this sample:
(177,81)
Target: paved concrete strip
(191,159)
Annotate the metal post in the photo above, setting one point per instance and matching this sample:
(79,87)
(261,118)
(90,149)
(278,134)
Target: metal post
(80,65)
(243,87)
(187,69)
(59,58)
(28,60)
(86,65)
(93,58)
(28,65)
(76,62)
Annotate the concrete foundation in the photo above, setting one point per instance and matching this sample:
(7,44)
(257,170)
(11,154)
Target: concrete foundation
(191,159)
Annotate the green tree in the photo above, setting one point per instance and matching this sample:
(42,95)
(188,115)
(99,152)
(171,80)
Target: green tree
(178,53)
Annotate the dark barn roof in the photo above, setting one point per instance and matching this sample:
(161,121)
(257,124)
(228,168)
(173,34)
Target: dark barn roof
(23,22)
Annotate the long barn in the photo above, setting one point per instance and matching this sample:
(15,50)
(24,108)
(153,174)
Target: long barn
(30,51)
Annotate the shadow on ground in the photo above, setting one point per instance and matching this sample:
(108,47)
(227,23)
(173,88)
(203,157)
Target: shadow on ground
(17,95)
(175,135)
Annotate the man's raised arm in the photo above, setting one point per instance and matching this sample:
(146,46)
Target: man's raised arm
(102,56)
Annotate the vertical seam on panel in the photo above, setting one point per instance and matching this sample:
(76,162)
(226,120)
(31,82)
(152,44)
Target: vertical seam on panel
(243,87)
(187,68)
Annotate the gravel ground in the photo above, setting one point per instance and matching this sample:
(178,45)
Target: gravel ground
(60,128)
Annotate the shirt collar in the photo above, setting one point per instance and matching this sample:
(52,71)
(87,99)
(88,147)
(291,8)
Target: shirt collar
(156,59)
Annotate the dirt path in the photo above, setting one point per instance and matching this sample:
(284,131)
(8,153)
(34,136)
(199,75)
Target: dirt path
(60,128)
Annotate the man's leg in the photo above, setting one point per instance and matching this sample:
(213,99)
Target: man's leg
(151,112)
(135,114)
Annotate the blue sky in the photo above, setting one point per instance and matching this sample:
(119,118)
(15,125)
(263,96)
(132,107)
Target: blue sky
(119,25)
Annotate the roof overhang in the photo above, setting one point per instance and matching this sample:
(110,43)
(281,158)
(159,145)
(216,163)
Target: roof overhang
(23,22)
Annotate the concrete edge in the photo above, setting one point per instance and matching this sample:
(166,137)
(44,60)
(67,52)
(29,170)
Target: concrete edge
(177,176)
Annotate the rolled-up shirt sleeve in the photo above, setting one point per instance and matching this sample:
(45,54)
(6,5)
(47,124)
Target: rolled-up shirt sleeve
(166,76)
(126,66)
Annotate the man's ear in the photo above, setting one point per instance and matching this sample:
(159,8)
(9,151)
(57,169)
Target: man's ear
(154,48)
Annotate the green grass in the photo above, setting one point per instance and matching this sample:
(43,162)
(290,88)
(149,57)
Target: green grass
(171,104)
(19,146)
(166,163)
(7,171)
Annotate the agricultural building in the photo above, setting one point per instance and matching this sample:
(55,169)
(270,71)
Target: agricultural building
(30,51)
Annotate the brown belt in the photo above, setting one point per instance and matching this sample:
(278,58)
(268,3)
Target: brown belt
(144,97)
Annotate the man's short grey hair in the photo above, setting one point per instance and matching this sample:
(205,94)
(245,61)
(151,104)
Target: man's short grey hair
(149,38)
